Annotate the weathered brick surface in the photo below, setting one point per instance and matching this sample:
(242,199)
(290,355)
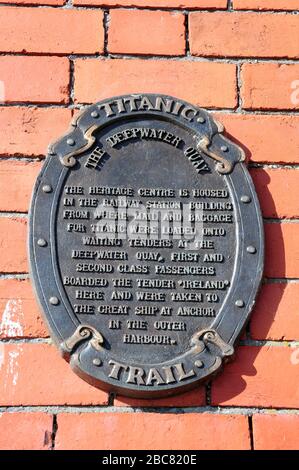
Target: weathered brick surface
(28,131)
(282,251)
(203,83)
(275,316)
(17,179)
(20,315)
(51,30)
(270,86)
(35,2)
(269,138)
(34,79)
(152,431)
(194,4)
(244,34)
(151,32)
(276,432)
(13,253)
(25,431)
(30,375)
(274,188)
(256,377)
(196,397)
(266,4)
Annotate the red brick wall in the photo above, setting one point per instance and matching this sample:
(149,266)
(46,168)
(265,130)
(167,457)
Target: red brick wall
(238,58)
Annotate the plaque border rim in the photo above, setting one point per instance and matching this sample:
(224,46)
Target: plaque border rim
(60,336)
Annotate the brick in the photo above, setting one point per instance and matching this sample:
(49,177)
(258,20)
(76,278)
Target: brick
(276,313)
(13,235)
(270,86)
(25,431)
(243,34)
(275,432)
(261,136)
(282,250)
(259,376)
(278,192)
(146,32)
(30,373)
(51,30)
(202,83)
(194,4)
(151,431)
(194,398)
(20,315)
(17,179)
(35,2)
(29,131)
(34,79)
(266,4)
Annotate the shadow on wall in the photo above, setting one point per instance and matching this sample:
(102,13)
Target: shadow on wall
(244,362)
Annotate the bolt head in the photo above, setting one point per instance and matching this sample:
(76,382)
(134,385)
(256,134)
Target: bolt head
(251,249)
(224,148)
(47,188)
(245,199)
(95,114)
(97,362)
(70,142)
(54,300)
(239,303)
(41,242)
(201,120)
(198,363)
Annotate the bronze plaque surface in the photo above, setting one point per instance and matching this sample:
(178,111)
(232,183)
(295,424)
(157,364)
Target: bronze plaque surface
(146,245)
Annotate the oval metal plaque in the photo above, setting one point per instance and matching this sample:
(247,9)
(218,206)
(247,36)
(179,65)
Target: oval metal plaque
(146,245)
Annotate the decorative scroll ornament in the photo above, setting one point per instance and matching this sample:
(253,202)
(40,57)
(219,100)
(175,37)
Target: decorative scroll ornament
(82,333)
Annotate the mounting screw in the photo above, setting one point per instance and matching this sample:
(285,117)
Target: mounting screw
(239,303)
(245,199)
(97,362)
(94,114)
(41,242)
(251,249)
(70,142)
(201,120)
(198,363)
(47,188)
(224,148)
(54,300)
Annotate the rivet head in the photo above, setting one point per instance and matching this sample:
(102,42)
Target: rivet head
(94,114)
(201,120)
(245,199)
(70,142)
(239,303)
(97,362)
(41,242)
(47,188)
(251,249)
(198,363)
(54,300)
(224,148)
